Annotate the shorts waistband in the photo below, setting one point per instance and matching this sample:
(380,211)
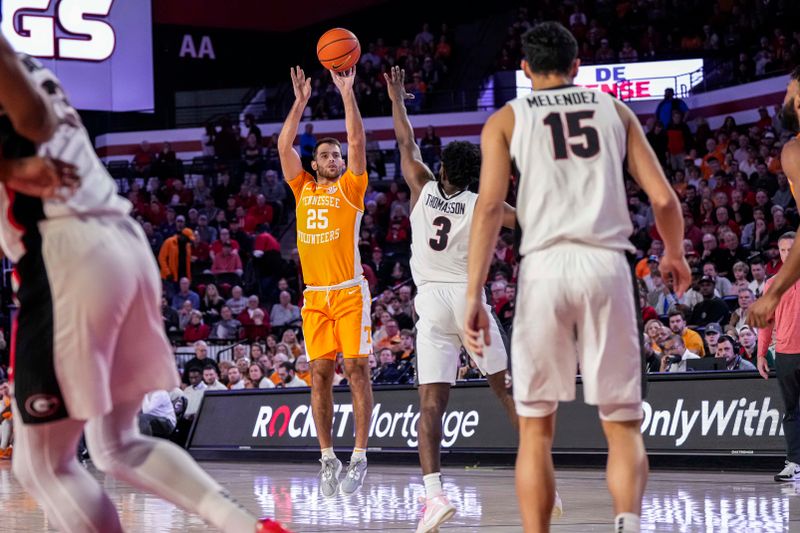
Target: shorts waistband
(344,285)
(435,285)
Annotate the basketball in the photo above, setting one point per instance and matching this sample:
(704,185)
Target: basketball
(338,49)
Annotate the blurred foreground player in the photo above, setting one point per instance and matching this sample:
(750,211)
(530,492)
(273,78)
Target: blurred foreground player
(575,297)
(89,295)
(441,216)
(778,310)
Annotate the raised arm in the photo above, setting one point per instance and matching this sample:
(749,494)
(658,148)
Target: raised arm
(291,164)
(645,169)
(486,221)
(415,171)
(24,103)
(356,138)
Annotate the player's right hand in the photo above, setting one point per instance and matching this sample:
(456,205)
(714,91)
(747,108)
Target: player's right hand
(763,367)
(679,268)
(300,84)
(43,177)
(476,327)
(395,84)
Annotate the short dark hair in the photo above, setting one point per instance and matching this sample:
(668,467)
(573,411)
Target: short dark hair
(728,338)
(288,365)
(795,75)
(549,47)
(461,161)
(325,140)
(757,260)
(676,312)
(209,365)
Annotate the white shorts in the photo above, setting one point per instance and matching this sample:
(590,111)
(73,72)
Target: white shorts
(440,334)
(575,305)
(89,332)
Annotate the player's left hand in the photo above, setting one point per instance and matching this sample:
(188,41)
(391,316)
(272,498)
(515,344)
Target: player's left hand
(477,327)
(762,312)
(344,80)
(43,177)
(396,85)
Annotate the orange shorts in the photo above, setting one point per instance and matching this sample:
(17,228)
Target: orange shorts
(337,321)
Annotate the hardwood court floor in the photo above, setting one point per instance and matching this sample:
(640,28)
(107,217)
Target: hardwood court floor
(675,501)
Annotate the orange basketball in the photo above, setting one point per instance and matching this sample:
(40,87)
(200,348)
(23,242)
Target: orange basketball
(338,49)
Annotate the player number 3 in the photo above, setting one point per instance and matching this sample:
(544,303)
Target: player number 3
(317,219)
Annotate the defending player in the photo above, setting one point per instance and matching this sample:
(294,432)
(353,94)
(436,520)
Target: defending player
(441,214)
(575,298)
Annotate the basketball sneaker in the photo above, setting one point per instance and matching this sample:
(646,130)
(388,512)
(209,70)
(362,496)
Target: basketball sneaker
(558,508)
(329,477)
(435,512)
(356,472)
(790,472)
(267,525)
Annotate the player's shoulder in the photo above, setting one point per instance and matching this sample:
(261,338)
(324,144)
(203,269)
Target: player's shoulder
(791,150)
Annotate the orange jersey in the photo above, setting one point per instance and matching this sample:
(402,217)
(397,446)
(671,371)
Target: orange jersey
(328,224)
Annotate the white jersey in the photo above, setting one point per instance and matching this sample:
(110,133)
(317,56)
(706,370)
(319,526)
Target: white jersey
(568,148)
(97,193)
(440,228)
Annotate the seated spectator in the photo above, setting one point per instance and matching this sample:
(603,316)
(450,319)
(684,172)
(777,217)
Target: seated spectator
(388,371)
(712,308)
(740,272)
(224,238)
(662,296)
(196,330)
(184,315)
(6,425)
(289,339)
(407,349)
(169,316)
(657,334)
(194,393)
(722,286)
(648,312)
(235,381)
(175,256)
(185,293)
(142,159)
(246,317)
(748,342)
(212,303)
(387,336)
(759,277)
(157,418)
(255,374)
(675,355)
(211,380)
(691,339)
(200,360)
(285,313)
(258,214)
(226,262)
(651,360)
(237,302)
(258,328)
(499,298)
(739,317)
(288,378)
(727,349)
(227,327)
(239,352)
(711,336)
(302,369)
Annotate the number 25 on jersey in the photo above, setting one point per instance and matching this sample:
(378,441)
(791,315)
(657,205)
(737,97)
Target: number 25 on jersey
(317,219)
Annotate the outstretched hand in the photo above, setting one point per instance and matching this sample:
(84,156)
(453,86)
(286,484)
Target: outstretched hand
(395,84)
(300,84)
(344,80)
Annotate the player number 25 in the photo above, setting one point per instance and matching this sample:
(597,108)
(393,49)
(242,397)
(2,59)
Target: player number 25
(317,219)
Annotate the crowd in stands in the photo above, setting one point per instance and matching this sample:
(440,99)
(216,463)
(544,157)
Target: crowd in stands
(426,58)
(759,37)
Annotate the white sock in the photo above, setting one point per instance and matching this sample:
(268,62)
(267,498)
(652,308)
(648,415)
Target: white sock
(327,453)
(433,485)
(627,523)
(358,453)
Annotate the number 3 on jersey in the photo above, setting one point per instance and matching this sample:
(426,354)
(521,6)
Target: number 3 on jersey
(317,219)
(444,225)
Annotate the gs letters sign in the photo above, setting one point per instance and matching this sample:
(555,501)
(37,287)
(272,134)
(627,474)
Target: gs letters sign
(84,35)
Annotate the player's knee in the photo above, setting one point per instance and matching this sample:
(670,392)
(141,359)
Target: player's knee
(625,412)
(536,409)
